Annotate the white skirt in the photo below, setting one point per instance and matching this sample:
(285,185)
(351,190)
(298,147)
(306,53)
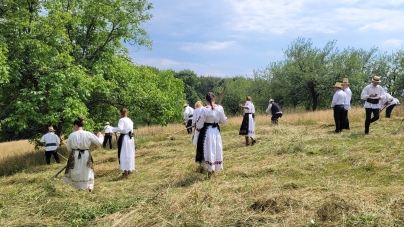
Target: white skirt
(251,126)
(213,150)
(81,176)
(127,157)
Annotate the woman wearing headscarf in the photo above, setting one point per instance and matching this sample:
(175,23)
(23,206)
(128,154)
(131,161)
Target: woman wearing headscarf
(209,150)
(126,143)
(247,127)
(80,166)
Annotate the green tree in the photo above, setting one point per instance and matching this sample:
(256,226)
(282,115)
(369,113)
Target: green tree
(65,58)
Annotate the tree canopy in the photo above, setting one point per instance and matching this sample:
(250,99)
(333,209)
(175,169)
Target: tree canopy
(63,58)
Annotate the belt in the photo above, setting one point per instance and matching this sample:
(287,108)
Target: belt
(50,144)
(214,125)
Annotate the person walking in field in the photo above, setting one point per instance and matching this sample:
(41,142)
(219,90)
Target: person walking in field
(247,127)
(275,110)
(372,93)
(188,114)
(52,142)
(337,103)
(126,143)
(108,135)
(195,118)
(347,105)
(80,166)
(209,150)
(389,102)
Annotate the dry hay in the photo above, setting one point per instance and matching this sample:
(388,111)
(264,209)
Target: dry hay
(334,209)
(274,205)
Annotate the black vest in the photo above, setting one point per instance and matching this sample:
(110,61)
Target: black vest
(275,108)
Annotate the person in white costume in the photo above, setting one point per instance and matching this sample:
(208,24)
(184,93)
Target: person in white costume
(79,169)
(195,117)
(209,150)
(247,127)
(188,115)
(52,143)
(126,143)
(389,102)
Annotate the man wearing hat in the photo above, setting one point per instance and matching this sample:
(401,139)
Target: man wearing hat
(108,135)
(372,93)
(275,110)
(188,113)
(338,102)
(52,143)
(347,105)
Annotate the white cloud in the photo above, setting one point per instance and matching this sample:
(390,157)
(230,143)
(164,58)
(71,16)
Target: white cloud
(315,16)
(394,43)
(210,46)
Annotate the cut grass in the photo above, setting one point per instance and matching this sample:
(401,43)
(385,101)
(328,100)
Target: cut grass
(299,173)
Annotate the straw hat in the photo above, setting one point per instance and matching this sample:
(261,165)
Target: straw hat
(107,123)
(376,79)
(185,105)
(338,85)
(50,129)
(271,100)
(345,81)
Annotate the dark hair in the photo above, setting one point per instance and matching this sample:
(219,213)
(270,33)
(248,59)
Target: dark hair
(79,121)
(210,96)
(124,112)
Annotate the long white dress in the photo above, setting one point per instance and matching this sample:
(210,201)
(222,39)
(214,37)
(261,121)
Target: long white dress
(127,156)
(81,176)
(210,141)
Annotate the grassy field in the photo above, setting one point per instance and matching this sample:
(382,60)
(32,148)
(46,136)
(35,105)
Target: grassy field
(299,173)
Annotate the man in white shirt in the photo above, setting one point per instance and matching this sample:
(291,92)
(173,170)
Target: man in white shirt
(347,105)
(389,102)
(108,135)
(337,104)
(372,93)
(52,143)
(188,114)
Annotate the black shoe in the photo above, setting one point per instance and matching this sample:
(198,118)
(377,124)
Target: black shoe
(253,142)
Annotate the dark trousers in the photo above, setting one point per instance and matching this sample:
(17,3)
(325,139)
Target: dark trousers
(274,118)
(338,117)
(188,125)
(48,155)
(346,120)
(389,109)
(107,137)
(370,119)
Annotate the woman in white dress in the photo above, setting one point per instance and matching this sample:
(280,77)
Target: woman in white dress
(209,150)
(79,169)
(247,127)
(195,118)
(126,143)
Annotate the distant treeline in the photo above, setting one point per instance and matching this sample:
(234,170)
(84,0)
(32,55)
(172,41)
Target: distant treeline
(59,61)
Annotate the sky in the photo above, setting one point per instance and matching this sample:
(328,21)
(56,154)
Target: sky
(228,38)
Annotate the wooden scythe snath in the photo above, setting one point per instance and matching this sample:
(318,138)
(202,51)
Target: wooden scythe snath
(222,95)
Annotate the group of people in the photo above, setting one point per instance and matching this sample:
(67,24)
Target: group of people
(206,121)
(375,97)
(79,170)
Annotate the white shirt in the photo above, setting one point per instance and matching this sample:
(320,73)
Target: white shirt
(108,129)
(81,140)
(196,115)
(251,108)
(369,90)
(49,138)
(338,98)
(188,112)
(211,116)
(125,125)
(389,100)
(348,92)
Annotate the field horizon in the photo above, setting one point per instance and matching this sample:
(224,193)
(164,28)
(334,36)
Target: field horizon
(300,173)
